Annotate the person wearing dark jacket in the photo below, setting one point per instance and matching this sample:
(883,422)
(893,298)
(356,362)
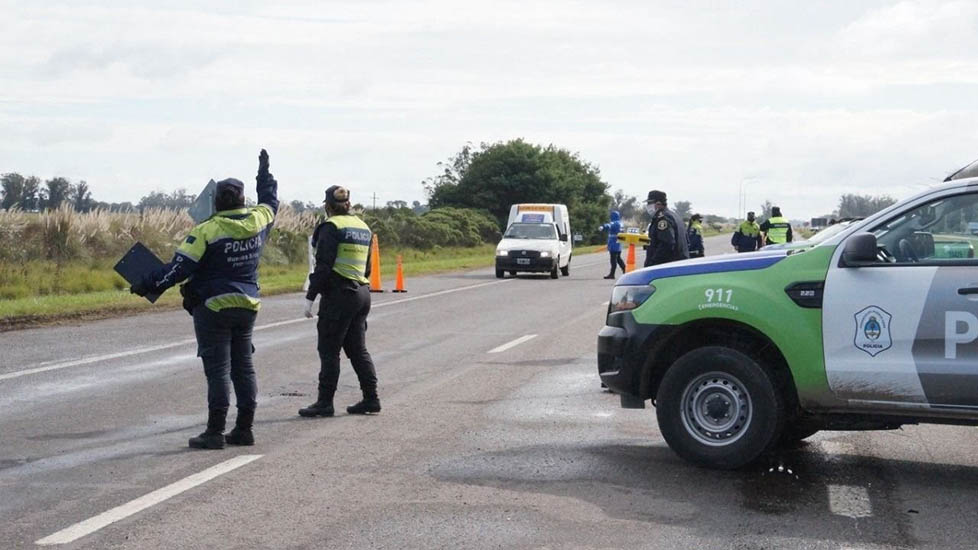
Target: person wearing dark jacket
(694,235)
(613,228)
(341,277)
(667,236)
(747,237)
(220,259)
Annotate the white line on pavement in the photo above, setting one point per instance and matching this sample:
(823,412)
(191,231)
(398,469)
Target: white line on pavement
(109,517)
(513,344)
(137,351)
(88,360)
(850,501)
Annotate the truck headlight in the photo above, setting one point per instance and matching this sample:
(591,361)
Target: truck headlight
(626,298)
(502,253)
(544,254)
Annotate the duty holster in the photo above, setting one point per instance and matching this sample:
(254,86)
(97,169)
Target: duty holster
(190,298)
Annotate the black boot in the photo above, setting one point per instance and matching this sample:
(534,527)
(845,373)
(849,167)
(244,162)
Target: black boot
(370,404)
(213,436)
(241,434)
(322,407)
(609,276)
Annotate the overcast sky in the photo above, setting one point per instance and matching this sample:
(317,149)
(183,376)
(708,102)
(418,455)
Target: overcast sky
(797,102)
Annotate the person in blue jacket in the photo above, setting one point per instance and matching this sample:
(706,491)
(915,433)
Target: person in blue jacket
(220,259)
(613,228)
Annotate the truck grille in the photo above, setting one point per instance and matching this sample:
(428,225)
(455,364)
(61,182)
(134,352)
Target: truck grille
(525,254)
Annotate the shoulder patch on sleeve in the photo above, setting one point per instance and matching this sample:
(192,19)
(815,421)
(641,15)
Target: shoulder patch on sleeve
(191,239)
(662,225)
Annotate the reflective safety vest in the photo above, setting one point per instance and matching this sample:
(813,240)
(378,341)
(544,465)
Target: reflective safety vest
(778,233)
(354,248)
(750,229)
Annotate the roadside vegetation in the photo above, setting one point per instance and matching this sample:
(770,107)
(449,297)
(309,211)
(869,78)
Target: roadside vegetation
(58,263)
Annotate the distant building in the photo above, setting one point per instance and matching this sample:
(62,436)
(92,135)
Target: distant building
(819,223)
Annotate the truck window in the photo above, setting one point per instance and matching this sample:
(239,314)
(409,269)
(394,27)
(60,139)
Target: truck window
(531,231)
(939,232)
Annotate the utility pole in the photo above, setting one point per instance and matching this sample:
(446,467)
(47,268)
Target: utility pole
(375,200)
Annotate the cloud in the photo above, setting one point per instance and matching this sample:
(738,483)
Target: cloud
(147,60)
(914,29)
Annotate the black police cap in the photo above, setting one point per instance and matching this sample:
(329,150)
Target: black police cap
(231,182)
(336,194)
(656,196)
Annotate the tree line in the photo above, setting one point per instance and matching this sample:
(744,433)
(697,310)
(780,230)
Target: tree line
(28,193)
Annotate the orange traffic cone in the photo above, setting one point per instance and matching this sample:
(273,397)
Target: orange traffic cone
(399,285)
(375,285)
(630,263)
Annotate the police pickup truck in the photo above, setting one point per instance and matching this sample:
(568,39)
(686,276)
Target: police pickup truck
(872,328)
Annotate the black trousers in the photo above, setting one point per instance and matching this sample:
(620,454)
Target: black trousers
(343,325)
(224,346)
(616,261)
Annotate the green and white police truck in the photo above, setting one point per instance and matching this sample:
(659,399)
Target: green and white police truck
(873,328)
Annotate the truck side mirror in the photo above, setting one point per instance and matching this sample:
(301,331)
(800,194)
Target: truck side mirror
(578,237)
(860,250)
(563,237)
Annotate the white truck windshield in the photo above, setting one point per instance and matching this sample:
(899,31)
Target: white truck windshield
(531,231)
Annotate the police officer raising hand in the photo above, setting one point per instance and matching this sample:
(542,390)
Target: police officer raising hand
(220,258)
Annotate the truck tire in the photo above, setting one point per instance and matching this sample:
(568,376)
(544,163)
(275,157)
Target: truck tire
(565,271)
(553,272)
(719,408)
(500,273)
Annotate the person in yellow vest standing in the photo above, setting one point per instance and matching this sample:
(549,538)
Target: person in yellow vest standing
(747,237)
(776,229)
(220,258)
(342,277)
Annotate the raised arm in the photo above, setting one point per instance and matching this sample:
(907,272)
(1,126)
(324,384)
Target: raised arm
(267,186)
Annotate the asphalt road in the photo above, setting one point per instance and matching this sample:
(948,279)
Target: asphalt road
(489,438)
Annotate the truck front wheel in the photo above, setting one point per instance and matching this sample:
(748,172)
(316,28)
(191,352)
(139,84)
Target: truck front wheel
(719,408)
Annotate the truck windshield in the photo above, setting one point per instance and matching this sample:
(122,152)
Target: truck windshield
(531,231)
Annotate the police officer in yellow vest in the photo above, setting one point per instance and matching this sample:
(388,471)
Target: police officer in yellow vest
(341,277)
(220,258)
(776,229)
(747,237)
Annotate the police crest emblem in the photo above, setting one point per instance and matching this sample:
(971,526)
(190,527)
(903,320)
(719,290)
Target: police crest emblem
(662,225)
(873,330)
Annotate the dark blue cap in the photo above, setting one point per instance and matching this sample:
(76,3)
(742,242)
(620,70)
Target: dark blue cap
(231,182)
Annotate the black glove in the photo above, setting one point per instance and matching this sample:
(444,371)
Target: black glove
(263,162)
(139,289)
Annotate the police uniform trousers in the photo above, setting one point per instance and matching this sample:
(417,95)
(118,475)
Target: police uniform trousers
(343,325)
(224,346)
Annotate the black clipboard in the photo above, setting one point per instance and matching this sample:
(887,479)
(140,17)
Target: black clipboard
(136,264)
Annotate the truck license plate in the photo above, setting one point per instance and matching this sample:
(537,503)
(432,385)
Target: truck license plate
(523,261)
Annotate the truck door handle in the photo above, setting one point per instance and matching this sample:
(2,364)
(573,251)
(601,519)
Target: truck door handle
(968,290)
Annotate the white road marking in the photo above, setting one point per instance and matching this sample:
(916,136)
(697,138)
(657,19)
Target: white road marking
(850,501)
(96,359)
(108,357)
(439,293)
(513,344)
(605,304)
(109,517)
